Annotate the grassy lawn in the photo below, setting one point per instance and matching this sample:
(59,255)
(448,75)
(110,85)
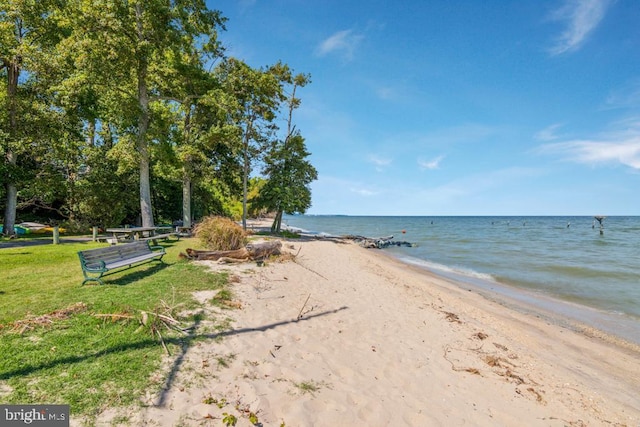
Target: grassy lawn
(56,344)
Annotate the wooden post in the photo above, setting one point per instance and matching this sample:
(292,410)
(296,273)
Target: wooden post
(94,233)
(56,235)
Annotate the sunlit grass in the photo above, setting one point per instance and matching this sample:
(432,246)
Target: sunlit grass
(84,359)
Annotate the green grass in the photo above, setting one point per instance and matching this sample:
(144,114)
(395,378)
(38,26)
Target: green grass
(88,361)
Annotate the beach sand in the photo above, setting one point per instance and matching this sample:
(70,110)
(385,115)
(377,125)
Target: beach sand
(346,336)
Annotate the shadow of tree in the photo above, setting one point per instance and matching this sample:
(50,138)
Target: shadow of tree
(183,342)
(185,347)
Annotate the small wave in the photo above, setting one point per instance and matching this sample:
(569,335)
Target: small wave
(441,268)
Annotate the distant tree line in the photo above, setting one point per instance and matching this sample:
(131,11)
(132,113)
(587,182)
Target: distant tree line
(119,112)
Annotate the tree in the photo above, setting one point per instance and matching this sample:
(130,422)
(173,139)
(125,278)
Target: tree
(129,46)
(251,98)
(288,172)
(28,32)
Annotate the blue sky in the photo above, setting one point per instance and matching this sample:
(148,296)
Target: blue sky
(490,107)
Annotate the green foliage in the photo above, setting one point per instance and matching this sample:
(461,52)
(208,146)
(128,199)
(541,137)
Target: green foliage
(311,387)
(109,106)
(219,233)
(229,419)
(288,171)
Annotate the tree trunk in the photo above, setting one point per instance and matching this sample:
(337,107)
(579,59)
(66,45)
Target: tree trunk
(11,190)
(253,251)
(10,209)
(186,172)
(91,132)
(277,222)
(186,199)
(245,179)
(146,210)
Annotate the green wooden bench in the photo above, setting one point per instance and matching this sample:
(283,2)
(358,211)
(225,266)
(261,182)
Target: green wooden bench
(96,262)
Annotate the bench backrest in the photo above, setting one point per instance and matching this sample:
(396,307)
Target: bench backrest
(92,257)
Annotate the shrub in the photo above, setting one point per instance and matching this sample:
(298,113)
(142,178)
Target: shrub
(220,234)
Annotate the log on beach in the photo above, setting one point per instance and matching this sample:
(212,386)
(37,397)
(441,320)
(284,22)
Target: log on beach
(378,242)
(252,251)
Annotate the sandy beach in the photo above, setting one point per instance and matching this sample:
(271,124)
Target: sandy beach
(346,336)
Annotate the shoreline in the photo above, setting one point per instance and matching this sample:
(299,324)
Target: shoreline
(576,317)
(342,335)
(616,328)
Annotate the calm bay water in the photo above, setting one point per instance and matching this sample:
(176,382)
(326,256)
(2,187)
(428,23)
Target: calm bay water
(563,264)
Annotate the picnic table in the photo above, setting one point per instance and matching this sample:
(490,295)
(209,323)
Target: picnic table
(184,231)
(130,234)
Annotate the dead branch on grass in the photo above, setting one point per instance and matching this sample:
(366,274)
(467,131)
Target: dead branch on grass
(161,318)
(47,320)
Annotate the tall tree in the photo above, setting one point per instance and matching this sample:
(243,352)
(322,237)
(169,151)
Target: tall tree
(251,98)
(131,42)
(287,169)
(28,31)
(188,85)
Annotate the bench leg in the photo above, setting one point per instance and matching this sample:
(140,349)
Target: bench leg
(88,278)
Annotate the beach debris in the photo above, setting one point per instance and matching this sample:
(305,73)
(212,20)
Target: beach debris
(452,317)
(251,252)
(377,242)
(302,313)
(481,336)
(500,346)
(155,321)
(46,320)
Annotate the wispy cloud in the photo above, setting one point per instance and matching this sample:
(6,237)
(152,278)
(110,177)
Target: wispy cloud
(363,192)
(581,18)
(430,164)
(619,146)
(379,162)
(627,96)
(549,133)
(343,42)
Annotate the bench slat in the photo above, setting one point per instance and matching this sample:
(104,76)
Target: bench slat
(102,260)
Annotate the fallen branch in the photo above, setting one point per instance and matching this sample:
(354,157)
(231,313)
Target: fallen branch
(300,314)
(252,251)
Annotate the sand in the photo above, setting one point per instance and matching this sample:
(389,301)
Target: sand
(346,336)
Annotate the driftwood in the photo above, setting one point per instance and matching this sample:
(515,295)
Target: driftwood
(377,242)
(252,251)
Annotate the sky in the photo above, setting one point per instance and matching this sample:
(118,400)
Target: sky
(438,107)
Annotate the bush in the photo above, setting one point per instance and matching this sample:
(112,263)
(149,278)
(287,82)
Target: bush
(220,234)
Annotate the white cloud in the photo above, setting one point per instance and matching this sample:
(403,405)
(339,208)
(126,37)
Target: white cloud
(430,164)
(581,17)
(592,152)
(379,162)
(363,192)
(619,146)
(548,133)
(344,42)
